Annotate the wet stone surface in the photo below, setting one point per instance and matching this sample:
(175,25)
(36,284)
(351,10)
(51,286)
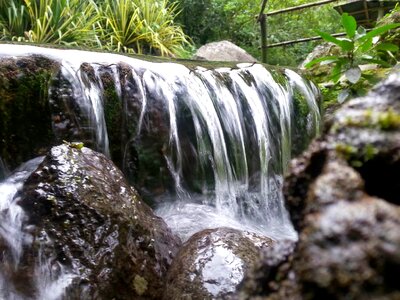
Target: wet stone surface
(212,263)
(84,215)
(343,195)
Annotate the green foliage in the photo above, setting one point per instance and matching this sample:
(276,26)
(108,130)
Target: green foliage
(14,20)
(356,48)
(356,157)
(295,25)
(135,26)
(211,20)
(47,21)
(140,26)
(393,36)
(235,20)
(60,21)
(388,120)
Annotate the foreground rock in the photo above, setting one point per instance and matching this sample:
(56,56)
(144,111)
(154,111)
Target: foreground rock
(84,215)
(343,197)
(212,263)
(223,51)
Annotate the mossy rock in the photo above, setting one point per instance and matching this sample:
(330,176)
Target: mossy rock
(25,116)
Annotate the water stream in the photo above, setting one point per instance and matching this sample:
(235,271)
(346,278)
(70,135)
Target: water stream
(222,137)
(50,279)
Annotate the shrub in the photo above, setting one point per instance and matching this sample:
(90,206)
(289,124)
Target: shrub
(141,26)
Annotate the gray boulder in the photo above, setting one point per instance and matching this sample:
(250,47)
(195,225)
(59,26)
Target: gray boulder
(223,51)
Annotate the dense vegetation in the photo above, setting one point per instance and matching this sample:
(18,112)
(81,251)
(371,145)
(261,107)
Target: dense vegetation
(235,20)
(165,27)
(160,27)
(136,26)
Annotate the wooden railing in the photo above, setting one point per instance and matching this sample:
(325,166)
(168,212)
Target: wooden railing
(262,19)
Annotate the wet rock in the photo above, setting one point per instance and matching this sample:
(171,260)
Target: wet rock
(343,198)
(24,108)
(84,215)
(274,262)
(223,51)
(212,263)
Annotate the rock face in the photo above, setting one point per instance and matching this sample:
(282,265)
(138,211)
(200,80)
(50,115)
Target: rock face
(85,216)
(343,197)
(223,51)
(24,108)
(212,263)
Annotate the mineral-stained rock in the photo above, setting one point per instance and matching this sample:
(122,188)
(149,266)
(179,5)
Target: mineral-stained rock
(212,263)
(82,212)
(343,195)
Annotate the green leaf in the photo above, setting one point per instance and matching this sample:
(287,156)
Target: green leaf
(387,47)
(336,72)
(375,61)
(347,45)
(366,46)
(349,24)
(329,38)
(380,30)
(330,59)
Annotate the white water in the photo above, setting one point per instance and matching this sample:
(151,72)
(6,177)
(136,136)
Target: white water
(241,137)
(50,278)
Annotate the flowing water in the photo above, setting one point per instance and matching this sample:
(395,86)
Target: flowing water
(223,138)
(49,282)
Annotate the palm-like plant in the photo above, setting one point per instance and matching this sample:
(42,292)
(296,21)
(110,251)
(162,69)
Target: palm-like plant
(61,21)
(136,26)
(48,21)
(140,26)
(119,25)
(14,19)
(159,29)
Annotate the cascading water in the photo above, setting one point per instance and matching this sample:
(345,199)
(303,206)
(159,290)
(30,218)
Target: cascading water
(49,282)
(208,146)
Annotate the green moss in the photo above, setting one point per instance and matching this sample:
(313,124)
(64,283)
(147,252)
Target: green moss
(113,113)
(389,120)
(25,116)
(356,157)
(347,151)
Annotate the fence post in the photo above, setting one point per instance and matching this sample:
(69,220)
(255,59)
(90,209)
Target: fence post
(263,25)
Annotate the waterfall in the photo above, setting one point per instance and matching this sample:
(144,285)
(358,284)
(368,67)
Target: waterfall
(208,146)
(49,282)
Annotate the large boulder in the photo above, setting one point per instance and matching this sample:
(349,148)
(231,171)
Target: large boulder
(343,197)
(223,51)
(212,263)
(84,215)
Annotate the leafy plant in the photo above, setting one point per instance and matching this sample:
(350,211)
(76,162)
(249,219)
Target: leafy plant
(14,20)
(48,21)
(296,25)
(140,26)
(357,47)
(60,21)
